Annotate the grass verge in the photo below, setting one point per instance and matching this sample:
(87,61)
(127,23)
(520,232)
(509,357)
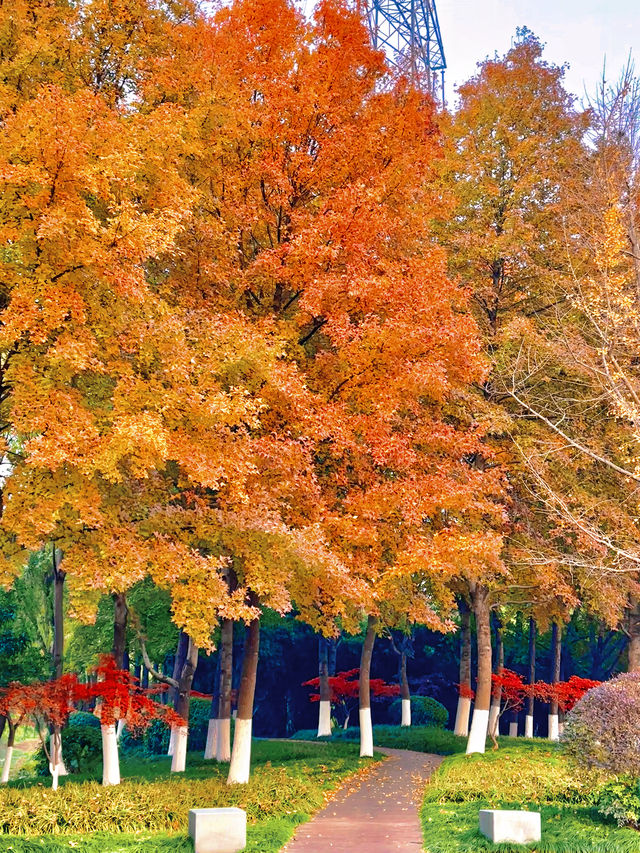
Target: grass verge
(522,774)
(148,810)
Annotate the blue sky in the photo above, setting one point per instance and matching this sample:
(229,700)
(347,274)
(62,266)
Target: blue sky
(578,32)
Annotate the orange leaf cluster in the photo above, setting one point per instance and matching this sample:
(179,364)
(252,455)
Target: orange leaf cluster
(232,348)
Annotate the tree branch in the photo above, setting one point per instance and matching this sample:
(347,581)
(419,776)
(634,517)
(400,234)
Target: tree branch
(592,454)
(317,325)
(166,679)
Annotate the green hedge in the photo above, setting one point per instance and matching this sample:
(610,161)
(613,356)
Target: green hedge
(83,718)
(81,750)
(425,711)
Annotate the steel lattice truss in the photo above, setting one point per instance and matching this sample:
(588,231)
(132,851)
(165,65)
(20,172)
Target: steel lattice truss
(409,33)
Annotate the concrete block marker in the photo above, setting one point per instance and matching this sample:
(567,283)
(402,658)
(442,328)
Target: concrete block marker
(517,827)
(218,830)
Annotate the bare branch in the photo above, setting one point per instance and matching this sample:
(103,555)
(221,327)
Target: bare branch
(166,679)
(576,444)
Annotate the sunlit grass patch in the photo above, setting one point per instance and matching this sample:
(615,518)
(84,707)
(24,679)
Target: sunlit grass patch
(522,774)
(148,810)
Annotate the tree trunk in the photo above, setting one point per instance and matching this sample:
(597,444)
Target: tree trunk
(464,702)
(324,713)
(58,616)
(223,750)
(239,769)
(480,721)
(333,656)
(496,697)
(57,764)
(513,723)
(364,692)
(110,758)
(556,651)
(528,723)
(183,698)
(119,651)
(178,664)
(405,693)
(6,767)
(212,730)
(634,637)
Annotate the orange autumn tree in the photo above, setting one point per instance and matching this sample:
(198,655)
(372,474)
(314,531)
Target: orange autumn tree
(106,385)
(235,342)
(513,162)
(119,409)
(90,194)
(312,226)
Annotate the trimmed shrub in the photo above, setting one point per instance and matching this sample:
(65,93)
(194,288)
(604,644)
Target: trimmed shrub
(155,739)
(601,732)
(83,718)
(417,738)
(81,750)
(425,711)
(620,799)
(198,723)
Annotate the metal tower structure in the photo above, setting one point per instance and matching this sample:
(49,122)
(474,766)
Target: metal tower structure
(409,33)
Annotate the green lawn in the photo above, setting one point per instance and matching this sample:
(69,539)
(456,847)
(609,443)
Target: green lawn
(418,738)
(291,780)
(148,810)
(520,775)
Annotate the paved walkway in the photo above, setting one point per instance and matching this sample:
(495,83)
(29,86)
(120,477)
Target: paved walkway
(379,816)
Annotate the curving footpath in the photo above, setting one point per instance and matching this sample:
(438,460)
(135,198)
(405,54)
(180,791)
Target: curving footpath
(380,815)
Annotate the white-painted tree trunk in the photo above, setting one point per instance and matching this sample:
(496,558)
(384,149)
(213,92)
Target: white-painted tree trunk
(55,773)
(345,725)
(478,734)
(120,729)
(462,716)
(223,752)
(494,720)
(179,760)
(110,759)
(56,765)
(172,740)
(513,729)
(366,733)
(406,712)
(6,767)
(528,726)
(324,718)
(241,755)
(554,733)
(211,747)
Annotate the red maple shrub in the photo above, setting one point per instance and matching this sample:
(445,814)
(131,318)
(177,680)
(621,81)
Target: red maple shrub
(119,697)
(514,690)
(345,687)
(566,693)
(465,691)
